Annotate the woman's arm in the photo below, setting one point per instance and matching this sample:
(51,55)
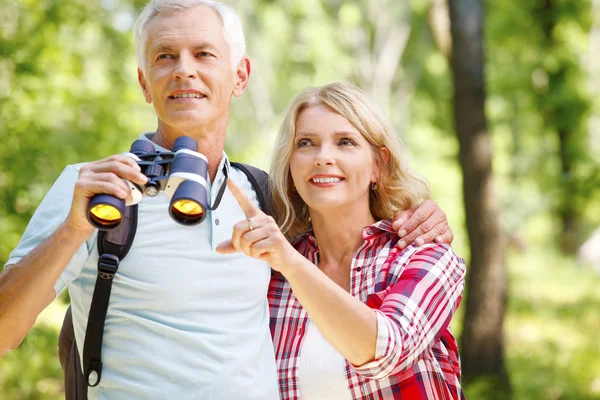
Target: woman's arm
(347,323)
(413,313)
(381,336)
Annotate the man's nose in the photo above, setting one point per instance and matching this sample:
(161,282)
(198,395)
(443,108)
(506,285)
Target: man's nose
(184,68)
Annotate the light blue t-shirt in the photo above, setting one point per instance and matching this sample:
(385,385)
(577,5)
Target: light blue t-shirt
(183,322)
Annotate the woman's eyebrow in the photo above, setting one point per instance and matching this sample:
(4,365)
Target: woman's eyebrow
(305,133)
(346,133)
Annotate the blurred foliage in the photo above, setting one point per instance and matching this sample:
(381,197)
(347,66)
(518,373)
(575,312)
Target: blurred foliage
(539,85)
(69,93)
(552,328)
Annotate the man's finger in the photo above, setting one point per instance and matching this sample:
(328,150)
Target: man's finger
(427,237)
(421,214)
(118,167)
(446,237)
(425,228)
(250,210)
(401,217)
(441,234)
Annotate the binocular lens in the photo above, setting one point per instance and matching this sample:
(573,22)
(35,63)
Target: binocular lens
(189,208)
(186,204)
(187,212)
(105,211)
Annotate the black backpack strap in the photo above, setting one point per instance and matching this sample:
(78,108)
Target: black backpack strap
(260,182)
(75,384)
(113,246)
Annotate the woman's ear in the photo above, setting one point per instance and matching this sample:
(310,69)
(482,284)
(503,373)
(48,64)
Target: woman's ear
(382,161)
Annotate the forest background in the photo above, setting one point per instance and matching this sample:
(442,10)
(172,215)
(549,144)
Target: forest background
(497,101)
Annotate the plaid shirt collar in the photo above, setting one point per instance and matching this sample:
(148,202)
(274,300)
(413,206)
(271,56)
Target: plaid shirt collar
(369,232)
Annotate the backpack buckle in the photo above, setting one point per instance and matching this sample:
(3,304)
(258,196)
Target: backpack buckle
(94,373)
(108,265)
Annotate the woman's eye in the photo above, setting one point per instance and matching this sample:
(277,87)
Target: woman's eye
(347,142)
(163,56)
(303,142)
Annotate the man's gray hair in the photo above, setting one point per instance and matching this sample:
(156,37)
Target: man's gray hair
(232,26)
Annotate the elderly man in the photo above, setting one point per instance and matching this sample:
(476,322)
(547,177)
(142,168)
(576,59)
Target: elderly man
(184,321)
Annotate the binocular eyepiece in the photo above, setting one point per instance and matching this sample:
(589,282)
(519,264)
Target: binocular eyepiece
(181,173)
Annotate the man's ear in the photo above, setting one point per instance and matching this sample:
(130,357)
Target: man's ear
(144,85)
(381,162)
(242,76)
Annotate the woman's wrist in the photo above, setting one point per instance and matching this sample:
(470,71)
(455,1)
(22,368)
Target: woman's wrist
(294,265)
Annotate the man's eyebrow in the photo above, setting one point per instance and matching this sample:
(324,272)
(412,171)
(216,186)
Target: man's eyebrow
(165,48)
(162,49)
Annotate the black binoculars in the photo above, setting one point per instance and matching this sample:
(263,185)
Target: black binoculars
(181,173)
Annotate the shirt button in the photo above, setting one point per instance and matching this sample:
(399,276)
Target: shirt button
(369,232)
(358,269)
(217,221)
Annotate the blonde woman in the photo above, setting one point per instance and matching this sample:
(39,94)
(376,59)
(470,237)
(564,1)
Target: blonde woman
(352,315)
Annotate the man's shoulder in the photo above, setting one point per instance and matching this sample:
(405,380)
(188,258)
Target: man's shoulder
(248,169)
(67,179)
(71,170)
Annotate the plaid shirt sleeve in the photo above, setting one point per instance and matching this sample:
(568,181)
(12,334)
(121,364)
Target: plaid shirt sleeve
(413,313)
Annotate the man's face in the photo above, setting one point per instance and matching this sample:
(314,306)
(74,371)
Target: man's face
(189,78)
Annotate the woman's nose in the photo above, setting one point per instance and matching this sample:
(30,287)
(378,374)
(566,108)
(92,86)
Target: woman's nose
(324,157)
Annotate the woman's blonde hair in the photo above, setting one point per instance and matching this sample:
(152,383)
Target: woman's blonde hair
(398,187)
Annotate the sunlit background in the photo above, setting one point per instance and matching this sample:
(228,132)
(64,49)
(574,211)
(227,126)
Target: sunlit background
(69,93)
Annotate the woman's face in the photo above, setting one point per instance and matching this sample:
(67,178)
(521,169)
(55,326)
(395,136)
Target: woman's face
(332,164)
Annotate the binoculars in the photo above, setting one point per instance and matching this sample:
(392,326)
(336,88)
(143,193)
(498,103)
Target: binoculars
(181,173)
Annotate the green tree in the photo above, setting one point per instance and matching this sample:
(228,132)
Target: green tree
(66,96)
(564,105)
(483,329)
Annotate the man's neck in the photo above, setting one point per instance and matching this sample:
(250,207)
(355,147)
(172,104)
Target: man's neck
(211,144)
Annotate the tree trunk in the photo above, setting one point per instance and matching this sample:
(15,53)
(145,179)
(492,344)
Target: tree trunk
(482,341)
(554,116)
(569,240)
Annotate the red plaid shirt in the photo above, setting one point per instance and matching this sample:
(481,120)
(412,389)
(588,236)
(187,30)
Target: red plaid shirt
(414,293)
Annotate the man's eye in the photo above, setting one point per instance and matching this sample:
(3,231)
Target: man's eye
(163,56)
(204,54)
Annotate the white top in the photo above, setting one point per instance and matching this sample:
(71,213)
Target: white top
(321,368)
(183,322)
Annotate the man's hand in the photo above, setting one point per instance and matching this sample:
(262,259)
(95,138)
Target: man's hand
(259,236)
(425,223)
(106,177)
